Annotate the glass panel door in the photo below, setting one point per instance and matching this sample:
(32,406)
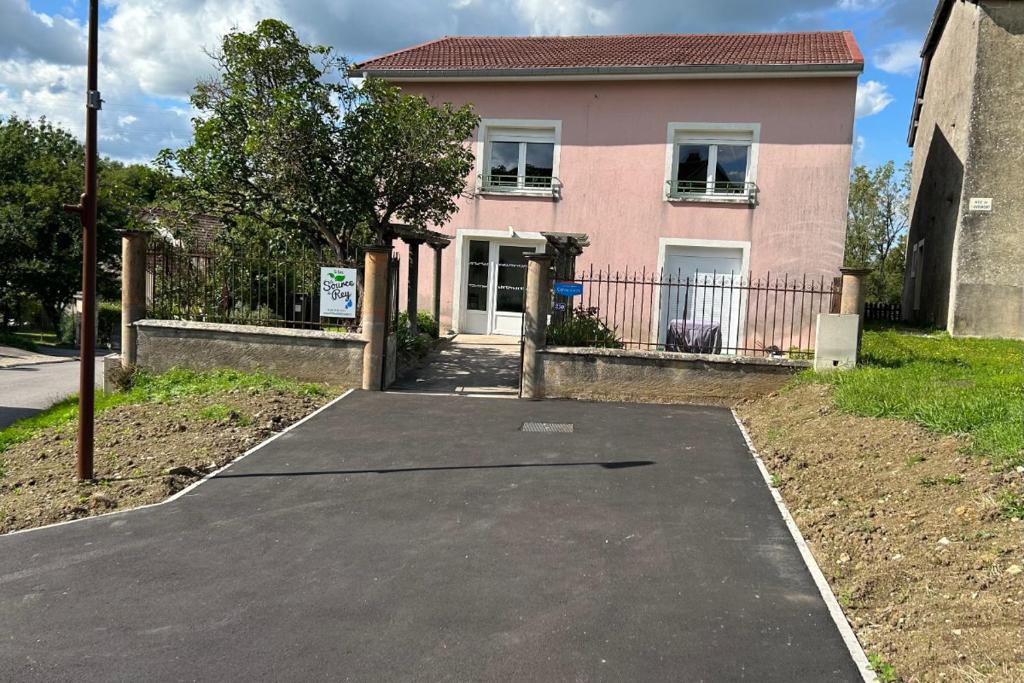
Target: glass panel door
(511,278)
(510,290)
(478,287)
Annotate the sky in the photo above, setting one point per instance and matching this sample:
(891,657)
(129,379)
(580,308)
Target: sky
(153,51)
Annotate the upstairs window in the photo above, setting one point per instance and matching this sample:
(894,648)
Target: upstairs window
(519,159)
(712,165)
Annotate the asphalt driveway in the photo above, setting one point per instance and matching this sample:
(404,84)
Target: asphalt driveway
(406,537)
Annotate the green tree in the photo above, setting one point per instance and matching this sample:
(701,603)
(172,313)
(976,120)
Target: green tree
(407,160)
(266,138)
(876,229)
(41,170)
(285,146)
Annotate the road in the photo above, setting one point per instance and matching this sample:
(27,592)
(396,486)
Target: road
(28,389)
(400,537)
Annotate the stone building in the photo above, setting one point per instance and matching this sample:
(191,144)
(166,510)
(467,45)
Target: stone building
(965,256)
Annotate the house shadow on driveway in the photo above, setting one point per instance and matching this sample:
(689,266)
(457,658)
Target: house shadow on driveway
(406,537)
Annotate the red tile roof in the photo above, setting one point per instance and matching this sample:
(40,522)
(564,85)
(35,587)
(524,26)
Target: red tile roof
(627,53)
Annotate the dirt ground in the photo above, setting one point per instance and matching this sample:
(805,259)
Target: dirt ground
(144,453)
(908,530)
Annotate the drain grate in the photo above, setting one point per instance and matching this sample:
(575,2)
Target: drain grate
(560,427)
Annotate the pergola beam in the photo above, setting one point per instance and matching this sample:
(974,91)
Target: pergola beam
(415,237)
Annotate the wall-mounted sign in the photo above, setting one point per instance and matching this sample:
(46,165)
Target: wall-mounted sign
(337,292)
(568,288)
(980,204)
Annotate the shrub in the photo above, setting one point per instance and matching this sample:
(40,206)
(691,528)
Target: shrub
(583,328)
(66,326)
(109,323)
(412,345)
(426,324)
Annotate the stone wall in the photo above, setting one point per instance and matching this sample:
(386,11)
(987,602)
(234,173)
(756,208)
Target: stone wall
(305,355)
(967,144)
(941,146)
(988,294)
(660,377)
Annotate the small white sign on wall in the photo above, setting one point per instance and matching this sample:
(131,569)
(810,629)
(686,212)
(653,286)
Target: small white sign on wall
(338,293)
(980,204)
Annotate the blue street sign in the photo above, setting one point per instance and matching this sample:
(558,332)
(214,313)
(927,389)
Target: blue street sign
(569,288)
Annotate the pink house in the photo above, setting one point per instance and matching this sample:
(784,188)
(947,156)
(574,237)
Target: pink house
(677,152)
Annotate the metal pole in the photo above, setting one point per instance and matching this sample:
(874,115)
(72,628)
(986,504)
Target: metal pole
(437,288)
(86,209)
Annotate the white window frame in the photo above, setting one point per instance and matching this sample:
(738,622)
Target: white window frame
(521,131)
(712,134)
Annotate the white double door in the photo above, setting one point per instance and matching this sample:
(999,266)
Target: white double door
(495,286)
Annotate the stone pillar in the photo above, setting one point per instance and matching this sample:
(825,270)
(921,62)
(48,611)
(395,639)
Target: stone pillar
(133,293)
(538,293)
(437,286)
(375,324)
(852,302)
(412,290)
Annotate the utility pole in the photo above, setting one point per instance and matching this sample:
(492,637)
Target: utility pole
(86,209)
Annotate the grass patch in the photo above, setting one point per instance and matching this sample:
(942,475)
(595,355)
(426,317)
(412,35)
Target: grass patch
(18,341)
(972,387)
(220,412)
(164,388)
(1011,505)
(883,669)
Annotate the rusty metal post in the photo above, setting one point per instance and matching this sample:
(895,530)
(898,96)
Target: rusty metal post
(86,210)
(375,306)
(535,323)
(133,293)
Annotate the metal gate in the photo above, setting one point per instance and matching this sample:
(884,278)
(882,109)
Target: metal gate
(389,355)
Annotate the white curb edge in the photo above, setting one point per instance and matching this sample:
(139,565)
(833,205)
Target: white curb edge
(191,486)
(845,630)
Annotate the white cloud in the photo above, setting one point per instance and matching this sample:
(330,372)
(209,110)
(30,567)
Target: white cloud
(165,45)
(154,52)
(563,17)
(31,35)
(872,97)
(859,5)
(902,57)
(860,143)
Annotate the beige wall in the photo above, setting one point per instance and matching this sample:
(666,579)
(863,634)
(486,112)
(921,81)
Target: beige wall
(989,261)
(659,377)
(940,150)
(970,143)
(305,355)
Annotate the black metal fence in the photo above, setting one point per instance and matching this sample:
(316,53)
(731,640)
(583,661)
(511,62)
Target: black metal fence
(883,312)
(726,313)
(394,270)
(270,289)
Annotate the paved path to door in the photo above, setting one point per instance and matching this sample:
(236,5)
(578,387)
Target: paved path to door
(468,365)
(398,537)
